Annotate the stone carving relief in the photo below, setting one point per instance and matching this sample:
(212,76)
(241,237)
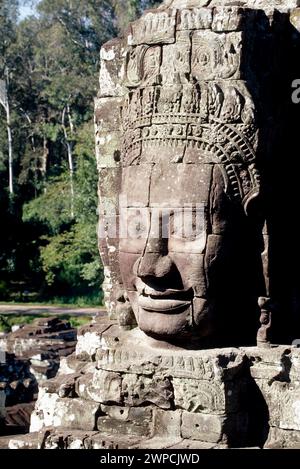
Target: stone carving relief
(142,65)
(176,60)
(216,55)
(196,18)
(154,28)
(199,396)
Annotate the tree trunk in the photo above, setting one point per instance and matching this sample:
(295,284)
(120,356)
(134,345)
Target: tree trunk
(36,165)
(5,103)
(44,156)
(70,155)
(10,152)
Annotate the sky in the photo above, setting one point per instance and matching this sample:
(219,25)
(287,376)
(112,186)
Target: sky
(26,10)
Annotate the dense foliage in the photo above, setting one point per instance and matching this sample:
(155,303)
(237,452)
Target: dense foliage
(49,64)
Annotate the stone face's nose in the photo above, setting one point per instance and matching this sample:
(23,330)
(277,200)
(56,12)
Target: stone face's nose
(154,261)
(153,265)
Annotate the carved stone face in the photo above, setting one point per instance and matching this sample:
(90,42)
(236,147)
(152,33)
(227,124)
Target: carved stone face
(182,148)
(186,140)
(162,264)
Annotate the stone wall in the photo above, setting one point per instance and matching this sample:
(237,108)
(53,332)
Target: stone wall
(126,393)
(276,373)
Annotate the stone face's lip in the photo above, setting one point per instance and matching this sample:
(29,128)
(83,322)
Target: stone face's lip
(164,303)
(183,295)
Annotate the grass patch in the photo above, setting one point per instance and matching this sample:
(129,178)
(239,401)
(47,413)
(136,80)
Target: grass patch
(77,321)
(55,304)
(7,321)
(76,301)
(34,299)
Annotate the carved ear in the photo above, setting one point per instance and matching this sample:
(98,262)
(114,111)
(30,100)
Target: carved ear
(251,197)
(248,200)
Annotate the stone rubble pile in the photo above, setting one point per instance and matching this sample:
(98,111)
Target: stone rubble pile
(30,355)
(43,342)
